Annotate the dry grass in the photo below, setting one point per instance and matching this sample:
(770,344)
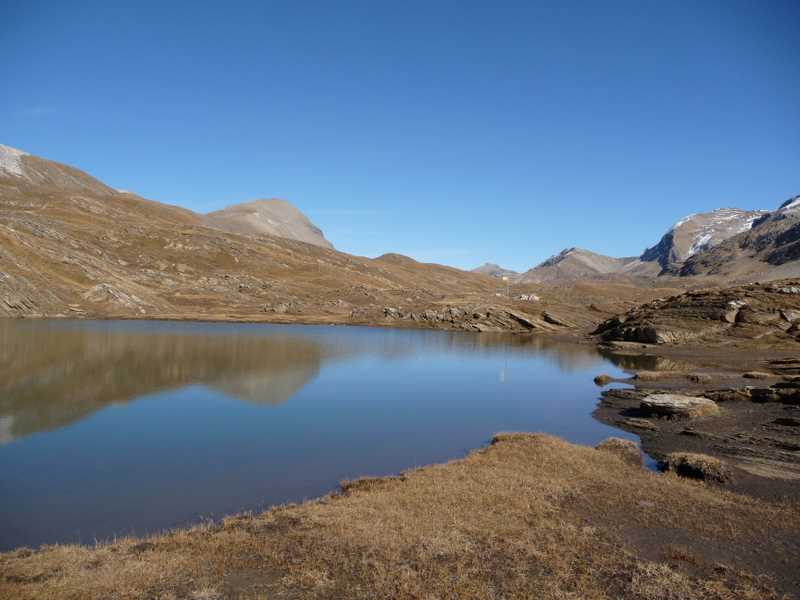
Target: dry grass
(530,516)
(697,466)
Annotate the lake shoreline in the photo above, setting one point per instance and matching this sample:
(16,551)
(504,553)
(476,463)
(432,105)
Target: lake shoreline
(528,514)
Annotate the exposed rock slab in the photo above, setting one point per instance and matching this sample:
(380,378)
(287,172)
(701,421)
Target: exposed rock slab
(679,406)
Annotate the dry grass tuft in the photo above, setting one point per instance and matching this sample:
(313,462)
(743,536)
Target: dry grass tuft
(697,466)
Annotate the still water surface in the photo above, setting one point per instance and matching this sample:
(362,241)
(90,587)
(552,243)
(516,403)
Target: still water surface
(113,428)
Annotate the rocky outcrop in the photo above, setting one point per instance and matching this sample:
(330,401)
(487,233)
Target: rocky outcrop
(745,311)
(679,406)
(466,317)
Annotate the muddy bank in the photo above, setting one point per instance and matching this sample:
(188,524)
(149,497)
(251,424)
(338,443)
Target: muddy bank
(751,419)
(528,516)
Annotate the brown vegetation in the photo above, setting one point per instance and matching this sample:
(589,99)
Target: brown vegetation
(527,517)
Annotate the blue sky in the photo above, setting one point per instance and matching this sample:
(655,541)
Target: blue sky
(455,132)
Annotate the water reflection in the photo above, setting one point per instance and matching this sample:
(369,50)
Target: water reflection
(52,374)
(112,428)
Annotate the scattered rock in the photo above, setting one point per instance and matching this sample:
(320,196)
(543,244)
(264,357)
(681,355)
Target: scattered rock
(728,395)
(756,375)
(528,297)
(696,466)
(787,290)
(677,405)
(699,378)
(392,313)
(555,320)
(638,423)
(627,450)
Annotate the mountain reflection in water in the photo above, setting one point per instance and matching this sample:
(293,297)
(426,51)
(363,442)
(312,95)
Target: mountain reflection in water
(109,428)
(52,374)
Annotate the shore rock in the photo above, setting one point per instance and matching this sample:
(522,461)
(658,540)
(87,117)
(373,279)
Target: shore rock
(677,406)
(603,380)
(756,375)
(696,466)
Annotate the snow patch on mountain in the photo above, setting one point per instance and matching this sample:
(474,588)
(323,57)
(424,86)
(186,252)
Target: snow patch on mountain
(790,206)
(10,160)
(717,225)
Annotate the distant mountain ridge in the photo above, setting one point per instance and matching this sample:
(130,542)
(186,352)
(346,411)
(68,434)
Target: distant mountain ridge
(258,217)
(574,263)
(271,217)
(494,270)
(717,242)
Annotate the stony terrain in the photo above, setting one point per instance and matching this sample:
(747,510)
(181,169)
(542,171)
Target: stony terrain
(765,314)
(747,421)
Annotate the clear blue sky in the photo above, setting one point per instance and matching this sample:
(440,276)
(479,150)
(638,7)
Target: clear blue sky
(455,132)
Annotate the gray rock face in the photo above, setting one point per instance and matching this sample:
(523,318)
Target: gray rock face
(770,249)
(679,406)
(267,217)
(698,232)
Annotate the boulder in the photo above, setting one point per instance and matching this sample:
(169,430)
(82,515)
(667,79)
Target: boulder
(756,375)
(627,450)
(390,312)
(696,466)
(679,406)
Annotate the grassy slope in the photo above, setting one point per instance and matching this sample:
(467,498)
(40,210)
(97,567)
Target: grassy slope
(57,247)
(527,517)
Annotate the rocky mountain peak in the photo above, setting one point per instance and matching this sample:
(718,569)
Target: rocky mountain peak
(791,206)
(271,216)
(698,232)
(494,270)
(11,161)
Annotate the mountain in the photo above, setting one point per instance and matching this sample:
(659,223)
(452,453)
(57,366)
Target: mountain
(693,236)
(770,249)
(73,246)
(270,217)
(493,270)
(574,263)
(698,232)
(27,170)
